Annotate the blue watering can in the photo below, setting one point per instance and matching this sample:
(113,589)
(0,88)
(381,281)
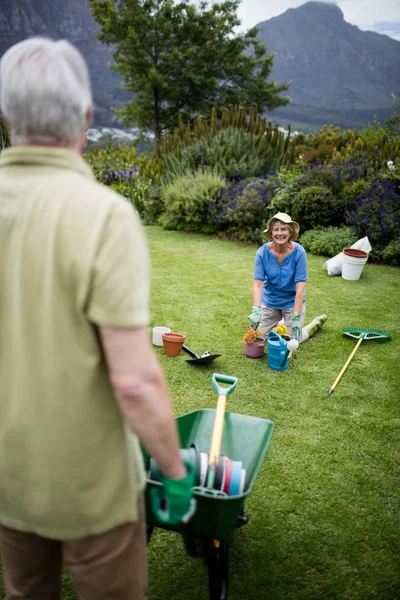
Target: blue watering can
(277,352)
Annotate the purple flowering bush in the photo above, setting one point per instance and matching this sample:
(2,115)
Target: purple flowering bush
(242,207)
(377,214)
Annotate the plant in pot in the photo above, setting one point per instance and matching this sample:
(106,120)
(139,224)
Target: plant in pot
(254,343)
(283,331)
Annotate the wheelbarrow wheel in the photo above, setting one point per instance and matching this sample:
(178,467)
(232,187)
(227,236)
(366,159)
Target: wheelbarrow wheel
(217,563)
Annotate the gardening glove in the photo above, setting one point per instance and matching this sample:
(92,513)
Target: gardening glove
(296,327)
(255,316)
(173,503)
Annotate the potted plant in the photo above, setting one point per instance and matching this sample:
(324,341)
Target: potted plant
(254,343)
(283,331)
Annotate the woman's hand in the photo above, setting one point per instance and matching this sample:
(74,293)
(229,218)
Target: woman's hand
(296,327)
(255,316)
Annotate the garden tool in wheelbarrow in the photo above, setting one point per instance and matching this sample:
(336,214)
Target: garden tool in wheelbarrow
(220,510)
(360,335)
(216,463)
(202,359)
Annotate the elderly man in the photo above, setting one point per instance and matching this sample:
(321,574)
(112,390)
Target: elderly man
(79,382)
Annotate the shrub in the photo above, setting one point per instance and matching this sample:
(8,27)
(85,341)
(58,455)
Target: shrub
(283,198)
(350,192)
(391,173)
(186,200)
(107,163)
(350,171)
(243,206)
(313,206)
(324,175)
(154,206)
(237,144)
(377,213)
(134,187)
(391,254)
(329,241)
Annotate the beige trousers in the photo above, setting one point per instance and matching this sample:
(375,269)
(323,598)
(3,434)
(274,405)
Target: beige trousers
(109,566)
(271,317)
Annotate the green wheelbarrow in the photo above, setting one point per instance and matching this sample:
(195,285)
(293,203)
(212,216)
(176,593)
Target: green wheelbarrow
(209,533)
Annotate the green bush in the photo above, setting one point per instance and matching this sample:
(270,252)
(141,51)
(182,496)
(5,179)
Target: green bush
(314,206)
(350,192)
(391,254)
(325,176)
(186,200)
(391,173)
(134,188)
(154,206)
(284,196)
(329,241)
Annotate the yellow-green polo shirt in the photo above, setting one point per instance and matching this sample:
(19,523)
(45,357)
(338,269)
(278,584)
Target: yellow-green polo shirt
(72,255)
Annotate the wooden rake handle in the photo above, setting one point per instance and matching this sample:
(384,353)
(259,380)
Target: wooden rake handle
(345,366)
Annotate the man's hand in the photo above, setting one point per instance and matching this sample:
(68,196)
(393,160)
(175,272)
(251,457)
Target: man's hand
(255,316)
(296,327)
(173,503)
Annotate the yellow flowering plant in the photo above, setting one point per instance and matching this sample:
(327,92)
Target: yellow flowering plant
(281,329)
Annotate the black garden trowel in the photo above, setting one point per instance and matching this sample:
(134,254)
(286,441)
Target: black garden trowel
(200,360)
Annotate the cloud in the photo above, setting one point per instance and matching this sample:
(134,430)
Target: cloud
(390,29)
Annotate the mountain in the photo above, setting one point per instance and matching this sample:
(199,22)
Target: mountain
(339,74)
(69,19)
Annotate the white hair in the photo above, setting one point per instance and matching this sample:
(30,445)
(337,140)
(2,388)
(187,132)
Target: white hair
(44,92)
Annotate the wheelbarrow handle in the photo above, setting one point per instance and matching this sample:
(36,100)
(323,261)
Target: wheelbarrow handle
(223,391)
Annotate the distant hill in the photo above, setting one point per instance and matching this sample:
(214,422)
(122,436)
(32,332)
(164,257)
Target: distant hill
(70,19)
(339,74)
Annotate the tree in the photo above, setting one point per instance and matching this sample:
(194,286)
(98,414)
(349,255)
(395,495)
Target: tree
(179,59)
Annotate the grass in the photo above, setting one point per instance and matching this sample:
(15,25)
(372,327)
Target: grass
(324,512)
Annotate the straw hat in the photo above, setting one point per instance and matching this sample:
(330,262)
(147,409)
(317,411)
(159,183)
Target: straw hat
(284,218)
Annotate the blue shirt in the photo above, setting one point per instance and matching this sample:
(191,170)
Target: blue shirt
(280,279)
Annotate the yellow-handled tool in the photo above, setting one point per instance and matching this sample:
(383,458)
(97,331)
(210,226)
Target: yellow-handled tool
(360,335)
(216,438)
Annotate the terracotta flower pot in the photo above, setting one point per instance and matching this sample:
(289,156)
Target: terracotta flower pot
(355,253)
(254,350)
(173,343)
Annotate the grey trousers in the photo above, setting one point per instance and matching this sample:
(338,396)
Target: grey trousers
(271,317)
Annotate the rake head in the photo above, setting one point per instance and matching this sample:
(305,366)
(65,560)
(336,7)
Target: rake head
(366,334)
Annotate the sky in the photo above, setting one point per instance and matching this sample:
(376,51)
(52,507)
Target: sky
(382,16)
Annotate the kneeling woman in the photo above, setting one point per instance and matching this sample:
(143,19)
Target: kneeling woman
(280,275)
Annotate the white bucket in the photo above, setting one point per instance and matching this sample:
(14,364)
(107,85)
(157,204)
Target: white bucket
(157,335)
(352,266)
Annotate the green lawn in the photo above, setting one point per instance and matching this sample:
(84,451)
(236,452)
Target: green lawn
(325,510)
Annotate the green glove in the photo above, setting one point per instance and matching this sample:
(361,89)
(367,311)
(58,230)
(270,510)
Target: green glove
(173,503)
(296,327)
(255,316)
